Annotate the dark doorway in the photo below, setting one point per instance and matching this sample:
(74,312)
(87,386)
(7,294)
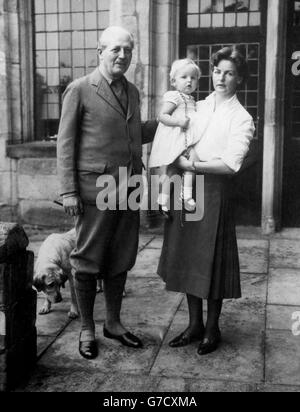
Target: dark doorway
(208,25)
(291,172)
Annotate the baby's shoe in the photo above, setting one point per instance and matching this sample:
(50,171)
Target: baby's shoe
(189,204)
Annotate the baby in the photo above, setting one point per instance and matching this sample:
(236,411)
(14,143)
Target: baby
(178,131)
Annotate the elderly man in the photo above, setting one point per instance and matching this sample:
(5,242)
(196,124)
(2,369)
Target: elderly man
(100,131)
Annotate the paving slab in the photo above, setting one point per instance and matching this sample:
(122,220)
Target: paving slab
(239,357)
(113,356)
(281,317)
(278,388)
(284,253)
(43,342)
(253,255)
(146,303)
(204,385)
(282,358)
(146,263)
(284,287)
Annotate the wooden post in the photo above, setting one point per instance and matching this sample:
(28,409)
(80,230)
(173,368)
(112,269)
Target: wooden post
(274,115)
(18,336)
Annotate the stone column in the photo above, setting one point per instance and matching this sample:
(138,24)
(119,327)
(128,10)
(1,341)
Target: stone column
(274,115)
(10,112)
(18,336)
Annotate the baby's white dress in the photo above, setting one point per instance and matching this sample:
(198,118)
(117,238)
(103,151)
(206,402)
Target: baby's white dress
(170,141)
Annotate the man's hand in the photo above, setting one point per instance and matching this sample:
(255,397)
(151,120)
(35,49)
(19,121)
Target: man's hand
(73,205)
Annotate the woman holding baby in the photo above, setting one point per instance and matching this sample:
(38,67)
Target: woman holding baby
(200,258)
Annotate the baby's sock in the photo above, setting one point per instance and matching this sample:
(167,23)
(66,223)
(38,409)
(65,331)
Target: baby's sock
(163,200)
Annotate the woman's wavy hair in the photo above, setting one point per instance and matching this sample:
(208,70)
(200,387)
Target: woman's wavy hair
(232,54)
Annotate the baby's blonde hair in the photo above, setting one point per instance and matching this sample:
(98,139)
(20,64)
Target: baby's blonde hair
(179,64)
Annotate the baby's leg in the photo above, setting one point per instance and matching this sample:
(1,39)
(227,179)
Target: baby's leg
(188,183)
(164,196)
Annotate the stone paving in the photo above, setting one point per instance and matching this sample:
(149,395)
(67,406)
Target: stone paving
(259,352)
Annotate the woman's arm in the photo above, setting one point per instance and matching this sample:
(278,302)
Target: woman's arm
(215,166)
(166,118)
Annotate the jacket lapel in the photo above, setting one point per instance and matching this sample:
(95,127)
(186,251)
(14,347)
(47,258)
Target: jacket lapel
(104,91)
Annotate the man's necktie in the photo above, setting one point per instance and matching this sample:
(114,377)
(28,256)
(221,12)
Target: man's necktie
(118,88)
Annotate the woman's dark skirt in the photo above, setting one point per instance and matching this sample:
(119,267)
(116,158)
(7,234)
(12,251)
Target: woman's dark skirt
(201,258)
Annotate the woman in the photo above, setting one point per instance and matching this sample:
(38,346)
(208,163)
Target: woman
(200,258)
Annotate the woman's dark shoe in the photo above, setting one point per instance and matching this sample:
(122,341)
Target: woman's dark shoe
(127,339)
(185,338)
(209,345)
(88,349)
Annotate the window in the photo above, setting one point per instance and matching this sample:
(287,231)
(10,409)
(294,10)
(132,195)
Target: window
(66,35)
(223,13)
(248,96)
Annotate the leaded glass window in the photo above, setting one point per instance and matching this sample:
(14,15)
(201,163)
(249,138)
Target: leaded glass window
(223,13)
(66,34)
(248,95)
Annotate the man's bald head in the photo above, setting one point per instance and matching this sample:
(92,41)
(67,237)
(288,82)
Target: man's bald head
(114,32)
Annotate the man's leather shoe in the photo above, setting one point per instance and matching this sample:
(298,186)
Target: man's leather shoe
(88,349)
(209,345)
(127,339)
(184,339)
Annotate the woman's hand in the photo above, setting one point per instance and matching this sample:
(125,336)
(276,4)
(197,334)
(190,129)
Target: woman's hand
(185,164)
(184,123)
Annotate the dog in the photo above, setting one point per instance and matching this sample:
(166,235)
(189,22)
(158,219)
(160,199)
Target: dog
(53,269)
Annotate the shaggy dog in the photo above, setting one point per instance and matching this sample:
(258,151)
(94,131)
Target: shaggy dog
(53,269)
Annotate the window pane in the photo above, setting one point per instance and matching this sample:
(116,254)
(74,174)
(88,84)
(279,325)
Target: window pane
(40,59)
(230,5)
(242,19)
(65,22)
(103,18)
(193,6)
(78,58)
(77,5)
(64,6)
(230,19)
(65,59)
(65,41)
(218,6)
(77,21)
(254,5)
(205,6)
(90,21)
(91,40)
(103,5)
(78,40)
(90,5)
(91,58)
(51,6)
(39,6)
(40,22)
(254,19)
(205,20)
(217,20)
(193,21)
(52,58)
(40,41)
(53,77)
(51,22)
(52,41)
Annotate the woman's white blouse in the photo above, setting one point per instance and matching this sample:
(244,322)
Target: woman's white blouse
(229,131)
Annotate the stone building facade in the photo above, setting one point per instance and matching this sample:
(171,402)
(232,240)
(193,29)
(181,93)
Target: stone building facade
(46,43)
